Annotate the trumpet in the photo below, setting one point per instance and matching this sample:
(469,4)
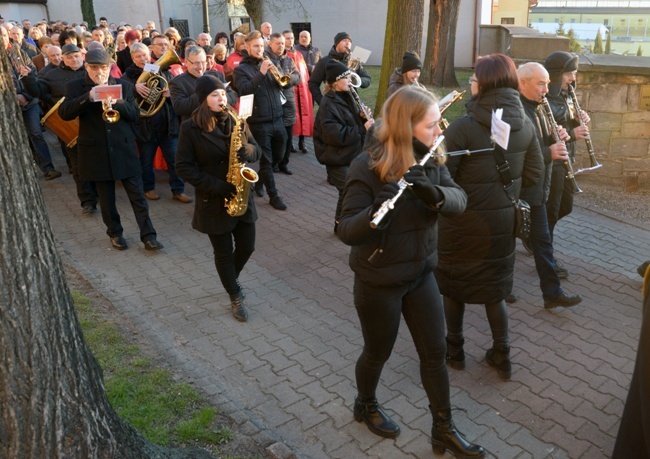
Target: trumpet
(283,80)
(355,82)
(110,115)
(593,162)
(568,167)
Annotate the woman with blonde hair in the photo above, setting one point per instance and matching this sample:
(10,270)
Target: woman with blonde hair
(393,262)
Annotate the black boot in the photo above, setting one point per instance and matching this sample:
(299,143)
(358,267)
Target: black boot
(444,435)
(499,358)
(239,311)
(373,415)
(301,144)
(455,352)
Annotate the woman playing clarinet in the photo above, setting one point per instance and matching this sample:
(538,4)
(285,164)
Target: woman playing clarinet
(393,262)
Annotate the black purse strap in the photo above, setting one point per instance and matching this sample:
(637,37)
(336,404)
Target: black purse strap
(504,171)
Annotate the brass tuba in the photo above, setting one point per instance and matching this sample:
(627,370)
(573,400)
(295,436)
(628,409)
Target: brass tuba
(240,176)
(151,104)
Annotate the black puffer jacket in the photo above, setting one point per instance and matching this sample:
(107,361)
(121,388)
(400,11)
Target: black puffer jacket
(403,247)
(267,104)
(318,75)
(477,248)
(339,131)
(287,67)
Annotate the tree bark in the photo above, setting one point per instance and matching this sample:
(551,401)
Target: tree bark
(404,22)
(52,397)
(88,13)
(438,67)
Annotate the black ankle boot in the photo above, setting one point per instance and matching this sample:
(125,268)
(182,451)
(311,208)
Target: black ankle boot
(455,352)
(373,415)
(444,435)
(301,144)
(499,358)
(239,311)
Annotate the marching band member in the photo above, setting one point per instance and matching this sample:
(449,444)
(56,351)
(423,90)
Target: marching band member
(407,74)
(107,151)
(203,159)
(304,126)
(157,131)
(393,263)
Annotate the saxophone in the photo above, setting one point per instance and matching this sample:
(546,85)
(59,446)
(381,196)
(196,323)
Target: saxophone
(239,175)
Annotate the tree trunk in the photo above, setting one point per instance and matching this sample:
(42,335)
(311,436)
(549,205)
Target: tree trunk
(52,397)
(88,13)
(438,68)
(254,8)
(403,33)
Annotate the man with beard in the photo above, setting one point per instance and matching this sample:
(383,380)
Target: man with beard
(107,150)
(254,76)
(160,130)
(340,52)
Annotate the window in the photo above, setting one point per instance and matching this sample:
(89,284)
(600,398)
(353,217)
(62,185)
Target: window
(507,21)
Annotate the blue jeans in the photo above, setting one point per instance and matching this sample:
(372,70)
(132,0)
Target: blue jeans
(32,118)
(540,243)
(147,151)
(380,310)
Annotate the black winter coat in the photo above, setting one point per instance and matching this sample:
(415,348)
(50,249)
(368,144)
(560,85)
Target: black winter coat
(537,194)
(182,91)
(202,159)
(403,247)
(107,151)
(565,116)
(477,248)
(311,54)
(339,131)
(287,67)
(318,75)
(267,104)
(51,86)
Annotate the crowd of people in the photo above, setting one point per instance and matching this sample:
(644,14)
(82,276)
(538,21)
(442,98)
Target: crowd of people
(429,233)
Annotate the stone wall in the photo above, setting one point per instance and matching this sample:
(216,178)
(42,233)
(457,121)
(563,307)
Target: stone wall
(609,89)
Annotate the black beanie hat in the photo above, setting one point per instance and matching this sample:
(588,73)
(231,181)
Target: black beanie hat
(411,61)
(206,84)
(556,64)
(336,70)
(339,37)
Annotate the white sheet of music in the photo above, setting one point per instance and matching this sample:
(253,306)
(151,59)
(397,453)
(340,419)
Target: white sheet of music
(500,129)
(246,106)
(361,53)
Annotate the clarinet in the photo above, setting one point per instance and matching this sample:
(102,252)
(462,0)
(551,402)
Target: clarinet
(363,108)
(570,175)
(389,204)
(590,148)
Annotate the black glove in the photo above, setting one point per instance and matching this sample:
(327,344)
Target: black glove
(226,189)
(242,154)
(422,186)
(387,192)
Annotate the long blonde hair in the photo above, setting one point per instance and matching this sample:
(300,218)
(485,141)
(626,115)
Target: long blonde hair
(393,155)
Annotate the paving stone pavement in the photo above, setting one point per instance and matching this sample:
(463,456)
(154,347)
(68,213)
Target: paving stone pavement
(287,376)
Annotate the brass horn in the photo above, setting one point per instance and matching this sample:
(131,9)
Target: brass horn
(151,104)
(283,80)
(110,115)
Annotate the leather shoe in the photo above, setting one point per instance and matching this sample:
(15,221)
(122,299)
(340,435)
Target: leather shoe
(51,174)
(152,244)
(89,209)
(563,300)
(239,311)
(285,170)
(277,203)
(152,195)
(119,243)
(182,197)
(276,169)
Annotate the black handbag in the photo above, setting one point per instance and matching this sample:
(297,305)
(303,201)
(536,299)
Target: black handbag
(522,208)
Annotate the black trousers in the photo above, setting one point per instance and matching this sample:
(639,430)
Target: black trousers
(380,310)
(271,137)
(560,198)
(86,191)
(287,150)
(110,215)
(229,259)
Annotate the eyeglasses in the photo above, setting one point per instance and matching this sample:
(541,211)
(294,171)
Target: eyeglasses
(196,63)
(472,80)
(97,67)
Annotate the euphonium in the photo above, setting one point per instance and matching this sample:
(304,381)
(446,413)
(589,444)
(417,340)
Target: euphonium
(110,115)
(151,104)
(283,80)
(240,176)
(354,63)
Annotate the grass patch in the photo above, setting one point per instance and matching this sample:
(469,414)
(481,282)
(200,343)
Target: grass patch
(164,411)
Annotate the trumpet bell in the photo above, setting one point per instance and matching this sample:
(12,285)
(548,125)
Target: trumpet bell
(111,116)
